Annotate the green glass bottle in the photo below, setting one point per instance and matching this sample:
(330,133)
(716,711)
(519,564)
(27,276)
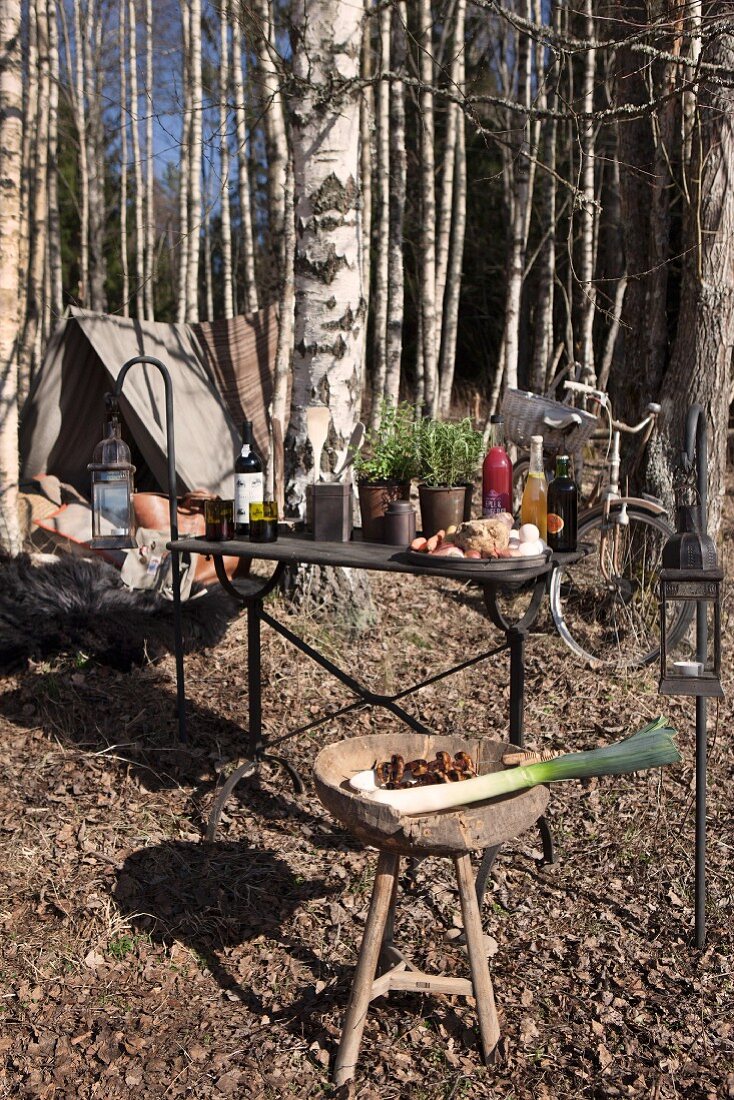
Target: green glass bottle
(563,507)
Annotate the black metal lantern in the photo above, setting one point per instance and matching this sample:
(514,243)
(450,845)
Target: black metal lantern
(690,573)
(112,486)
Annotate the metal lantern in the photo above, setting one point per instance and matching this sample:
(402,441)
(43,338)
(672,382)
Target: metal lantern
(690,573)
(112,486)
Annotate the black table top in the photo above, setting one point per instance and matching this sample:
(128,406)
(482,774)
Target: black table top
(357,554)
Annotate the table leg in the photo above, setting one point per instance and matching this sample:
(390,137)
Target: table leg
(517,687)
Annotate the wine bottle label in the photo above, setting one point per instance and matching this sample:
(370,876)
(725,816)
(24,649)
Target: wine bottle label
(494,503)
(248,489)
(555,523)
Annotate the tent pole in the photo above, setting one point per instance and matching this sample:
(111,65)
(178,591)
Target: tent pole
(173,517)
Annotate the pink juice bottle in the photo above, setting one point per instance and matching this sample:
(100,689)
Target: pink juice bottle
(496,472)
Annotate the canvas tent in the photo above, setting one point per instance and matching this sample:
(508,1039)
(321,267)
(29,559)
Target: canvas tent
(219,372)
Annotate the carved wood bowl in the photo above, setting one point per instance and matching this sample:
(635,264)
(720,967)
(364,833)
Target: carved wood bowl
(468,828)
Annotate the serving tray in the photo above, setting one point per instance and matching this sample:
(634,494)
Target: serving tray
(480,565)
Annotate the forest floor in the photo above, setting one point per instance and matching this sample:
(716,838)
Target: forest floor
(138,960)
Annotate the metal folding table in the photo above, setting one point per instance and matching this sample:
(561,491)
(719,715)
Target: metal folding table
(291,549)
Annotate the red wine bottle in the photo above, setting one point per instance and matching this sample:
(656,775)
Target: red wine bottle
(563,506)
(248,481)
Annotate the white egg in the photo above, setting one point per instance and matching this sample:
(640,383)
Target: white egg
(530,549)
(529,533)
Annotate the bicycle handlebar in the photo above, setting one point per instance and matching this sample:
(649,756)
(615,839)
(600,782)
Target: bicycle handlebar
(619,425)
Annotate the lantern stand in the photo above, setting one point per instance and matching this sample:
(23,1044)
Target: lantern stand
(173,519)
(696,442)
(691,573)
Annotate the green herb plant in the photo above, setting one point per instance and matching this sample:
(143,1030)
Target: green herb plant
(390,451)
(450,452)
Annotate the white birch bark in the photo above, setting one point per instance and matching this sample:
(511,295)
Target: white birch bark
(93,81)
(366,139)
(137,165)
(587,216)
(228,308)
(122,38)
(544,336)
(286,307)
(382,241)
(451,251)
(81,129)
(30,115)
(427,233)
(183,188)
(194,165)
(56,295)
(150,224)
(243,176)
(276,140)
(208,280)
(330,315)
(398,175)
(30,345)
(11,148)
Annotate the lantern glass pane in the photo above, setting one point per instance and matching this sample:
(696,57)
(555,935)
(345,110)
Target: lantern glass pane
(111,503)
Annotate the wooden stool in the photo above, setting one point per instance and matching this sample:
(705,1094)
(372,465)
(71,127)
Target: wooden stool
(453,833)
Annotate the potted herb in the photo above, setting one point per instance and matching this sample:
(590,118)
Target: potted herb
(385,465)
(450,453)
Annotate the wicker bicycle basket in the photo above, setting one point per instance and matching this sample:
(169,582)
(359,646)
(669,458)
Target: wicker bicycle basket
(526,414)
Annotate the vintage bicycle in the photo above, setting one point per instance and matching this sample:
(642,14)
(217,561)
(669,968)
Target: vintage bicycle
(604,606)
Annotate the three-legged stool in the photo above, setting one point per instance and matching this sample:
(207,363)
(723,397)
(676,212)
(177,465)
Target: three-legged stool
(452,833)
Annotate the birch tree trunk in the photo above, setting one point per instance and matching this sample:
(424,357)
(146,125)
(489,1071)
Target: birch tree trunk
(93,80)
(544,334)
(56,296)
(588,216)
(276,140)
(183,189)
(382,242)
(137,166)
(366,142)
(228,307)
(150,224)
(427,232)
(81,129)
(30,345)
(11,147)
(398,176)
(243,177)
(194,165)
(122,33)
(330,312)
(448,283)
(30,122)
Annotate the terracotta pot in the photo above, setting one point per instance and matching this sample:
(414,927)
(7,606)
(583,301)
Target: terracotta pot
(441,507)
(374,498)
(151,510)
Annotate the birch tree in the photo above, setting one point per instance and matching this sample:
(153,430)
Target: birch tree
(137,164)
(122,43)
(330,313)
(93,83)
(382,235)
(398,178)
(149,169)
(183,189)
(194,163)
(247,244)
(11,147)
(56,295)
(229,309)
(428,369)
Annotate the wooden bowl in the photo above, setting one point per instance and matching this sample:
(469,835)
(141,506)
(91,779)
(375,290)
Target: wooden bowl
(468,828)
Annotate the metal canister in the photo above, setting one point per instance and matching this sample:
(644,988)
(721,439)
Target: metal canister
(399,523)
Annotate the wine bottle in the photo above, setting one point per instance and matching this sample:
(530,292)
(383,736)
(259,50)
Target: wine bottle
(563,507)
(248,481)
(534,498)
(496,472)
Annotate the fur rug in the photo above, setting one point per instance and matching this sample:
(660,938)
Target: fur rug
(76,605)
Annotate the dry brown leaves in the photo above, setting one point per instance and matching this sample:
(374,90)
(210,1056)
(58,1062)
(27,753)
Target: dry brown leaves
(139,960)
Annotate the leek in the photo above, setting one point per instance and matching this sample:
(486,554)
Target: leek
(650,747)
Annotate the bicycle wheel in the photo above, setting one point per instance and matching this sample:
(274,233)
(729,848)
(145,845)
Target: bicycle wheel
(616,621)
